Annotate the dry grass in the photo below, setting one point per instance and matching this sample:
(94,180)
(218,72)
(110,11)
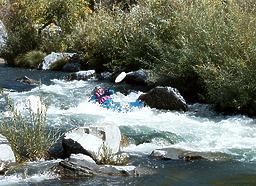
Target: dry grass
(27,135)
(106,157)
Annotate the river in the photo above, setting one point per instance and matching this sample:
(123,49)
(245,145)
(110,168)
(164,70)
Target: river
(199,129)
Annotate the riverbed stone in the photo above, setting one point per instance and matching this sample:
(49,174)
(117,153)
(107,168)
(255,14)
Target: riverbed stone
(80,165)
(166,98)
(139,77)
(181,154)
(91,140)
(6,154)
(106,76)
(81,75)
(71,67)
(27,80)
(2,61)
(74,64)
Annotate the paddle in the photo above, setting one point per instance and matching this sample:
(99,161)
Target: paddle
(120,77)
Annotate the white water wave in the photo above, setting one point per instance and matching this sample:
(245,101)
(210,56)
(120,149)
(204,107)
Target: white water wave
(210,132)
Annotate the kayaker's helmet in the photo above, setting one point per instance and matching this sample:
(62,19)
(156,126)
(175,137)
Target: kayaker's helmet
(97,87)
(98,91)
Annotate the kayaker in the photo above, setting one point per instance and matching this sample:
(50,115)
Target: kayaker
(103,96)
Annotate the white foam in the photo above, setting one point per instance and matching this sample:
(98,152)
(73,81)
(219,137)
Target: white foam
(21,179)
(233,134)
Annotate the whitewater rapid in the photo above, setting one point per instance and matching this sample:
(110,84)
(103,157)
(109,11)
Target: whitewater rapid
(200,129)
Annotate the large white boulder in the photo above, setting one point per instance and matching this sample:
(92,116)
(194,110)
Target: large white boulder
(6,153)
(53,58)
(91,140)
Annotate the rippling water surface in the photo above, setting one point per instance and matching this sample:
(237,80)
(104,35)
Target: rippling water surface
(147,129)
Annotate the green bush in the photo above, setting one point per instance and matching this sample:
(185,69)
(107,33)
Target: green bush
(219,41)
(230,88)
(211,53)
(19,43)
(127,41)
(19,20)
(24,20)
(30,60)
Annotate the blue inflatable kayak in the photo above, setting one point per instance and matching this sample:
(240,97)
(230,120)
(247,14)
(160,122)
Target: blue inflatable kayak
(110,104)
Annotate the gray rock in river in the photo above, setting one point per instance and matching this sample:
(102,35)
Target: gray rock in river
(139,77)
(166,98)
(81,75)
(27,80)
(181,154)
(71,67)
(80,165)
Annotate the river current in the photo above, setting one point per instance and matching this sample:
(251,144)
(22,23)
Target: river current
(200,129)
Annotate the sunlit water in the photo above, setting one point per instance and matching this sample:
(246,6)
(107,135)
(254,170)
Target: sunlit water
(147,129)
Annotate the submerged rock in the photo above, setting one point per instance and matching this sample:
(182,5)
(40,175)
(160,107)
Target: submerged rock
(28,170)
(91,140)
(6,154)
(181,154)
(166,98)
(80,165)
(27,80)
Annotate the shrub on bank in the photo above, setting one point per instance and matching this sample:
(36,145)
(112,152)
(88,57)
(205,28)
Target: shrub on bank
(212,55)
(22,36)
(31,59)
(219,42)
(25,20)
(127,41)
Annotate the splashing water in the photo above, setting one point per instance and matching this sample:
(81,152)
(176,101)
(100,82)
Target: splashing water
(200,129)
